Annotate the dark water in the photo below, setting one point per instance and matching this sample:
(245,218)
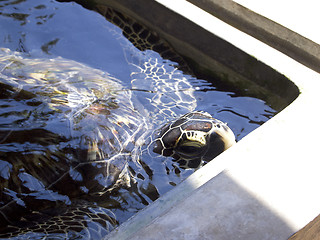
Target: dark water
(51,29)
(48,29)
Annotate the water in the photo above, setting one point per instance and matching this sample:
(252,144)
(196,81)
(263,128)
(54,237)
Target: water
(50,29)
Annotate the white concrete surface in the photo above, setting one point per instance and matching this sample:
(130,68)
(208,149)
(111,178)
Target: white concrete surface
(299,16)
(267,185)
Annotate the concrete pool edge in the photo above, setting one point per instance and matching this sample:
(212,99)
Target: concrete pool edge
(271,171)
(290,43)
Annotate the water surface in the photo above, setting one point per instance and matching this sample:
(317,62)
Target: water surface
(49,30)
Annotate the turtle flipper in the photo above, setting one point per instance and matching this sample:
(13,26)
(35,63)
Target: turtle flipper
(160,85)
(81,220)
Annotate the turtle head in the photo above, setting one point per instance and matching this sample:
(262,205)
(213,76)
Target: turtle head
(194,138)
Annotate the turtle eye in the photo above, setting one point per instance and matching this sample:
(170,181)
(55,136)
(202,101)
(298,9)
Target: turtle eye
(189,150)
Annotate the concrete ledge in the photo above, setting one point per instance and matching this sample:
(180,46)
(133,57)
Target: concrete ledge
(294,45)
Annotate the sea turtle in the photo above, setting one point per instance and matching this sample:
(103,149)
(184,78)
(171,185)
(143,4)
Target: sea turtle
(71,135)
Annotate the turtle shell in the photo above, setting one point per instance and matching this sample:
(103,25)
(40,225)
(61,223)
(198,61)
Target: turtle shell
(63,135)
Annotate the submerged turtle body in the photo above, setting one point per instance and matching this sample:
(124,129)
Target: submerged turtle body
(68,135)
(54,152)
(72,136)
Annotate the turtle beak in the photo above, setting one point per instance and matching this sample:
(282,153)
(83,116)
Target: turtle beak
(227,136)
(220,139)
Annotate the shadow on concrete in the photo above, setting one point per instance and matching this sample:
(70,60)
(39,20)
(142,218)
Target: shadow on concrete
(219,209)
